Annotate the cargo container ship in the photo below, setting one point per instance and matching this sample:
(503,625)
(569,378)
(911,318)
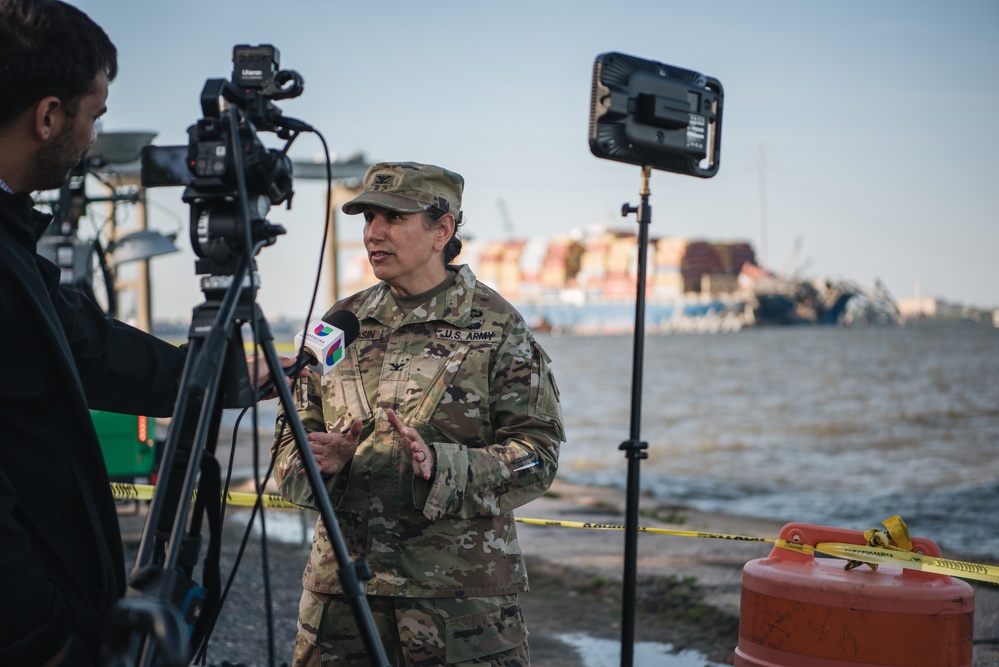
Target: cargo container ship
(588,283)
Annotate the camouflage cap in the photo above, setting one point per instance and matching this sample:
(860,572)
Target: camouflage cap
(409,187)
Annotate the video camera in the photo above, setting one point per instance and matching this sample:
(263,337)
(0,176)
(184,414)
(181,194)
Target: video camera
(231,178)
(231,181)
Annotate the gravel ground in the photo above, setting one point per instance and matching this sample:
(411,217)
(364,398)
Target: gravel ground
(687,595)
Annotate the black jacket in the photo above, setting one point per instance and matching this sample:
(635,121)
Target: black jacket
(61,561)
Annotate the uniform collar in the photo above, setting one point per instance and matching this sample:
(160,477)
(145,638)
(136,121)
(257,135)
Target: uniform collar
(453,306)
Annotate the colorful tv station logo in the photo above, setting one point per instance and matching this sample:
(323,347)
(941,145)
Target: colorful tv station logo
(335,354)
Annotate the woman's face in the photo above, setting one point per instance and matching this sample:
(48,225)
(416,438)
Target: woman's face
(403,252)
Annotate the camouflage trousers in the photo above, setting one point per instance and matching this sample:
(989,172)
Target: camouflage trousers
(415,632)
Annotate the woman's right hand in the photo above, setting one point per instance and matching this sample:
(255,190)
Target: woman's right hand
(332,451)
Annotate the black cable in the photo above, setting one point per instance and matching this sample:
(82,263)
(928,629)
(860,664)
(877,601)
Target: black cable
(202,652)
(326,232)
(260,486)
(265,560)
(258,506)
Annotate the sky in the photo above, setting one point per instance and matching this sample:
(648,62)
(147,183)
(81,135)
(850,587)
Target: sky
(858,138)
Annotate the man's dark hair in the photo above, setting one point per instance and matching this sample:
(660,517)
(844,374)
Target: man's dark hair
(49,48)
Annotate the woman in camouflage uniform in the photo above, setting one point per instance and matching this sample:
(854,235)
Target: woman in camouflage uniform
(441,420)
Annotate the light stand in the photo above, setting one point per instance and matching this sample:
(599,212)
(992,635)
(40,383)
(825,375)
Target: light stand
(634,449)
(655,116)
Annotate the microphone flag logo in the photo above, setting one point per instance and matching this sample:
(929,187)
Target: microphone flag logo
(323,330)
(335,354)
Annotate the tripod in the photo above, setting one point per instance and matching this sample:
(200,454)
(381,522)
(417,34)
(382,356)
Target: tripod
(162,602)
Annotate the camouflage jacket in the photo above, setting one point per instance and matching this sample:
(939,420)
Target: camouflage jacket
(463,370)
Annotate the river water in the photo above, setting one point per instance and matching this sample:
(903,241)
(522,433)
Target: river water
(842,426)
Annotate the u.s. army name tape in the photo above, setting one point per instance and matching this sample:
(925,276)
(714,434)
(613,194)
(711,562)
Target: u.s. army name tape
(898,558)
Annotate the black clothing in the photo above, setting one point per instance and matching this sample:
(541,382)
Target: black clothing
(61,561)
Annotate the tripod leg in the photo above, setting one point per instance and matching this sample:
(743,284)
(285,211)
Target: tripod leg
(349,572)
(168,552)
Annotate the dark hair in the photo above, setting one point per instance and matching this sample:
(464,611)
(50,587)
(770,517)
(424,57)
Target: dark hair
(49,48)
(453,247)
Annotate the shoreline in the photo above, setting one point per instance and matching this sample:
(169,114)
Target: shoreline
(687,594)
(715,564)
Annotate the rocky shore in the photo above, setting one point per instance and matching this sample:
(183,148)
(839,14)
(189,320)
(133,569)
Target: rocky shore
(687,595)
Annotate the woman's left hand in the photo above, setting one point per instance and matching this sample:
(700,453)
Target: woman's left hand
(421,455)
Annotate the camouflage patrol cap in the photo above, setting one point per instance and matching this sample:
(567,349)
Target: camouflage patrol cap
(409,187)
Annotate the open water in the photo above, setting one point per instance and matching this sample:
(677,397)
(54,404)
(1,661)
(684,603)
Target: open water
(841,426)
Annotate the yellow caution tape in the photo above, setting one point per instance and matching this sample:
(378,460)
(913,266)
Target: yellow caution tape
(889,556)
(145,492)
(642,529)
(898,558)
(912,561)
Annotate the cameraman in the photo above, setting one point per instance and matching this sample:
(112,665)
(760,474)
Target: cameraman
(61,559)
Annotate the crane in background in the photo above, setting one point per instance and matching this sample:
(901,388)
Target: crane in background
(90,260)
(505,217)
(792,269)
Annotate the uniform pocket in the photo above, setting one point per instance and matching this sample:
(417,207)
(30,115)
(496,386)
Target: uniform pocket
(545,400)
(311,610)
(437,386)
(485,633)
(344,399)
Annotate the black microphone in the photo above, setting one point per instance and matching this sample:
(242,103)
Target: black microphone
(325,341)
(321,345)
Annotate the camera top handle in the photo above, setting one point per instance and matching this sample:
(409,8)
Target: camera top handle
(257,106)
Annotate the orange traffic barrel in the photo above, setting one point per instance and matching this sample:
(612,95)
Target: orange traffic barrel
(800,611)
